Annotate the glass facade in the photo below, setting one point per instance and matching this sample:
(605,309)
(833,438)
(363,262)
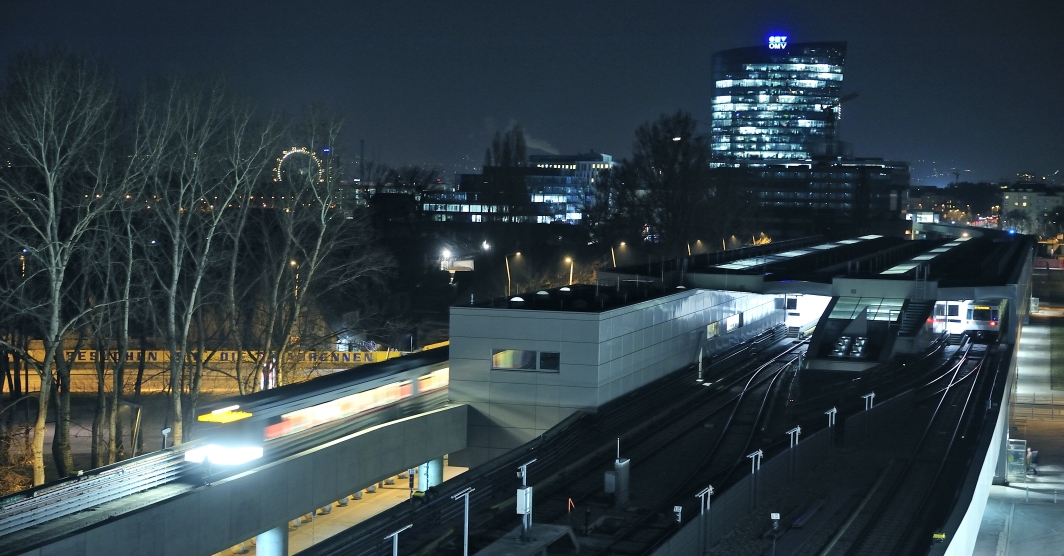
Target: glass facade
(559,191)
(776,104)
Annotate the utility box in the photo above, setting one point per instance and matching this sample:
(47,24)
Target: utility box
(620,473)
(524,500)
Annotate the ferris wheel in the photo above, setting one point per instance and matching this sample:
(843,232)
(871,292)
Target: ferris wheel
(298,164)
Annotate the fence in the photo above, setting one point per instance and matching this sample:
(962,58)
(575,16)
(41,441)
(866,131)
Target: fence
(1038,399)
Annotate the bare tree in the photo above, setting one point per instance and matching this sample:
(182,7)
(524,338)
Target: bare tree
(666,192)
(192,190)
(310,246)
(248,147)
(56,116)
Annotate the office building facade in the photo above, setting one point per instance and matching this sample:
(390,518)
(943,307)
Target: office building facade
(776,102)
(559,189)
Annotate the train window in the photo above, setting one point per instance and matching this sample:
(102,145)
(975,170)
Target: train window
(549,361)
(953,310)
(733,322)
(792,303)
(513,359)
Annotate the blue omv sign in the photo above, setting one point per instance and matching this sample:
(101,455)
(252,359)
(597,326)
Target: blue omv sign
(777,42)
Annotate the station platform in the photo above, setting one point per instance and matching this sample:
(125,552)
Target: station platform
(1025,516)
(340,518)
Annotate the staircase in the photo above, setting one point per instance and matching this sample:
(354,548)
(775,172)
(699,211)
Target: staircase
(914,316)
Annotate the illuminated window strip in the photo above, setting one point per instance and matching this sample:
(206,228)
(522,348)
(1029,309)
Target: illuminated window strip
(743,264)
(932,254)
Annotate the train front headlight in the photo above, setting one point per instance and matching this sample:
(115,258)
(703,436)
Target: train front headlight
(224,455)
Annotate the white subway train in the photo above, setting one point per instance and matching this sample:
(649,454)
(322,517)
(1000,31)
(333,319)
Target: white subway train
(297,416)
(958,317)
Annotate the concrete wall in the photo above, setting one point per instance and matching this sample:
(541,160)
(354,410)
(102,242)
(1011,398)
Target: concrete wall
(603,355)
(213,518)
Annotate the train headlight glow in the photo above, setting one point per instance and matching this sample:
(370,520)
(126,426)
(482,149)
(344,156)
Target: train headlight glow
(222,455)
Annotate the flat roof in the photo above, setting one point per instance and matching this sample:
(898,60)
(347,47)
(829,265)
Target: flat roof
(584,298)
(970,257)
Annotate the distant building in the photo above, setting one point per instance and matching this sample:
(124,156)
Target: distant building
(815,196)
(927,198)
(1027,206)
(558,189)
(778,101)
(868,185)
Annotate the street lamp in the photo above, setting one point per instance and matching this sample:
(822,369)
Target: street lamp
(614,253)
(506,258)
(571,265)
(295,265)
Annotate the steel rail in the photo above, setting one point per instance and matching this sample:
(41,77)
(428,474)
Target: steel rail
(497,481)
(757,379)
(908,472)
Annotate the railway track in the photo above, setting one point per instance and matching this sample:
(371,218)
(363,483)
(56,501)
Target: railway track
(739,431)
(902,514)
(568,457)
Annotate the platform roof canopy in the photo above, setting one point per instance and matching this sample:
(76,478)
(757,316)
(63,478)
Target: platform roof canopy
(971,258)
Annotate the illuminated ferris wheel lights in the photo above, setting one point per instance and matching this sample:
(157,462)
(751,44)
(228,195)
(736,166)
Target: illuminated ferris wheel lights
(293,151)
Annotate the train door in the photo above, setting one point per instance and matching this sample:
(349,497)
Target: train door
(954,317)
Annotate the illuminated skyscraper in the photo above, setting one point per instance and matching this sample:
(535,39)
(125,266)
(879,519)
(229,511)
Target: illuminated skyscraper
(776,102)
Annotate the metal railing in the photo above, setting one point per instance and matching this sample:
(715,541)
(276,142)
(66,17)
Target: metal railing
(39,505)
(1033,398)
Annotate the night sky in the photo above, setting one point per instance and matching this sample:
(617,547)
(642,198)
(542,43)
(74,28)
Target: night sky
(971,85)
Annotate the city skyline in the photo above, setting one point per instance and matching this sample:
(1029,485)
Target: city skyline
(950,87)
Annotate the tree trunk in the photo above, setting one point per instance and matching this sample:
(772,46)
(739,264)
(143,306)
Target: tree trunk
(64,458)
(98,444)
(117,382)
(37,446)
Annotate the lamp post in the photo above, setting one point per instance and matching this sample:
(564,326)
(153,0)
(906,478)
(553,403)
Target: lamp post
(571,265)
(295,265)
(614,253)
(506,258)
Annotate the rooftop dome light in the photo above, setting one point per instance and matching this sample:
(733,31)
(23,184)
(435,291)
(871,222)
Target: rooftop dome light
(564,289)
(542,292)
(516,299)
